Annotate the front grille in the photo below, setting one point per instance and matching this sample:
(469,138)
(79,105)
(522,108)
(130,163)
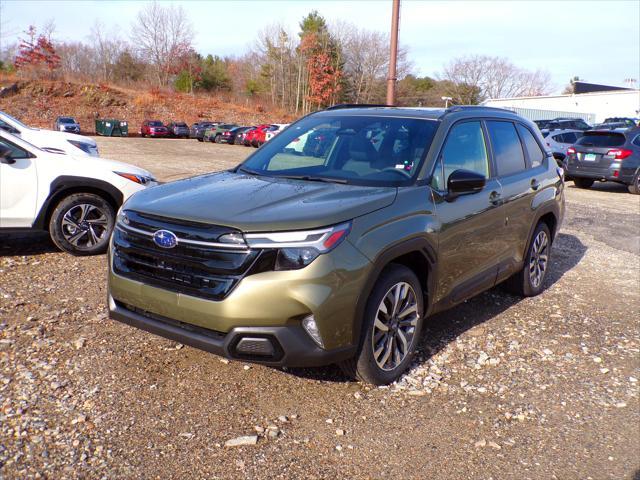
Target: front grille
(202,271)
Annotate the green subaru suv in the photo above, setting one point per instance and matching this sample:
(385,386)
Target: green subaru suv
(337,239)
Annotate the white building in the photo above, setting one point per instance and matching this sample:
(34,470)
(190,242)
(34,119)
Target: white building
(593,107)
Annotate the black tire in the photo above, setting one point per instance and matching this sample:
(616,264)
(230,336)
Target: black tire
(583,182)
(364,366)
(217,138)
(634,187)
(522,283)
(200,139)
(66,225)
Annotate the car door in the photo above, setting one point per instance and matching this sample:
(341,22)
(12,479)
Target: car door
(520,181)
(18,187)
(470,237)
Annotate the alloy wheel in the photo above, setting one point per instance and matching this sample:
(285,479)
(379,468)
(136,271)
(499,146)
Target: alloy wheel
(84,225)
(395,326)
(538,259)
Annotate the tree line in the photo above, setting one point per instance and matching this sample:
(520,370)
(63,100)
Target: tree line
(317,65)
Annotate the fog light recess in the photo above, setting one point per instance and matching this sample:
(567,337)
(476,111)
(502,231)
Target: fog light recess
(255,346)
(309,325)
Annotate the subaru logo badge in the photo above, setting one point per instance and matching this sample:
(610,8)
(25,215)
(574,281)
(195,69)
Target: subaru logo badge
(165,239)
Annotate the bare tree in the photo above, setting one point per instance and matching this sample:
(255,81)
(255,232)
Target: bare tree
(107,50)
(162,35)
(366,60)
(478,77)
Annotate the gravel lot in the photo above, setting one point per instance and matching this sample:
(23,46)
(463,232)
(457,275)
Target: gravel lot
(545,387)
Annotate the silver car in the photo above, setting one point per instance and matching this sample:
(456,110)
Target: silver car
(66,124)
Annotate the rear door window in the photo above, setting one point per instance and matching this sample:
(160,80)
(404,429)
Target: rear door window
(507,148)
(604,139)
(536,155)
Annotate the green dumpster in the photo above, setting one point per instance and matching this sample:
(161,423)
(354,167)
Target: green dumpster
(109,127)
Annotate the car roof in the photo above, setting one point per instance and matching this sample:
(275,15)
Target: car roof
(458,111)
(564,130)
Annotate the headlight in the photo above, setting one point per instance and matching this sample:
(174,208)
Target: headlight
(299,248)
(85,147)
(141,179)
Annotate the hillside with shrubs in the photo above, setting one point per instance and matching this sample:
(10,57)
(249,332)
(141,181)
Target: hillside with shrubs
(153,71)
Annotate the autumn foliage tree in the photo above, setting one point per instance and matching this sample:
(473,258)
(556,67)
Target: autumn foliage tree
(323,76)
(37,55)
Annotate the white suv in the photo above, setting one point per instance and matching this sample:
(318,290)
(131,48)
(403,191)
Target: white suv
(49,139)
(559,140)
(75,198)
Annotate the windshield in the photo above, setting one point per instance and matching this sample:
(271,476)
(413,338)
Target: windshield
(180,124)
(362,150)
(66,120)
(15,120)
(155,124)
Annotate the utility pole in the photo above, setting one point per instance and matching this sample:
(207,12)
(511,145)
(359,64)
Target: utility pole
(393,57)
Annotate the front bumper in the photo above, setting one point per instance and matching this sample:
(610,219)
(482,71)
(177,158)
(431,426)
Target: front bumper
(291,346)
(269,303)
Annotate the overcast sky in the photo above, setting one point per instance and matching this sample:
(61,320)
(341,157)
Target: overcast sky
(596,40)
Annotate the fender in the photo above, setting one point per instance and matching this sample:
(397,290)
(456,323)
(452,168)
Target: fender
(420,245)
(71,184)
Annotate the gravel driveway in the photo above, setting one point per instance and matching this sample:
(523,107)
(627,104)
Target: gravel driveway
(545,387)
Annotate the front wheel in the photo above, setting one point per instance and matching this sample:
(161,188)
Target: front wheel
(82,223)
(390,328)
(529,281)
(583,182)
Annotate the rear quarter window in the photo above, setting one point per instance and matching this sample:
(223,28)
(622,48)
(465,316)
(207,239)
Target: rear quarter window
(601,139)
(536,155)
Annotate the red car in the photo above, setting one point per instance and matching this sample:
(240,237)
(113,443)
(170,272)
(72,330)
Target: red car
(153,128)
(256,136)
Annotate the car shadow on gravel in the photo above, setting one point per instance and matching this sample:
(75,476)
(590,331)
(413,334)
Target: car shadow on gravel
(445,327)
(12,245)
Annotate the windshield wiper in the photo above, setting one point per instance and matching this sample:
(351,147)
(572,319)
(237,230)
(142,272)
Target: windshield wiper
(247,170)
(313,178)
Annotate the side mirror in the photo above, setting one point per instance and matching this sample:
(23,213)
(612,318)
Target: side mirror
(463,182)
(5,155)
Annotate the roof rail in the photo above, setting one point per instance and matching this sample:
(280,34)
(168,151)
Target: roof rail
(461,108)
(356,105)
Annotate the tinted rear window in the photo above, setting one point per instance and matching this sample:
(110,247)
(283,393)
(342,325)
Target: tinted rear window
(155,124)
(593,139)
(507,148)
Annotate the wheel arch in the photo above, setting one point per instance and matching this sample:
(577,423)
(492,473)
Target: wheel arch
(68,185)
(418,255)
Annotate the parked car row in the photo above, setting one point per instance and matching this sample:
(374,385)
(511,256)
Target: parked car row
(214,131)
(609,151)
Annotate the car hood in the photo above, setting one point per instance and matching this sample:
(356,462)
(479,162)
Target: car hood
(53,134)
(112,165)
(258,204)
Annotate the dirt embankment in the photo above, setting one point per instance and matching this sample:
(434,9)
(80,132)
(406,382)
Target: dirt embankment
(38,103)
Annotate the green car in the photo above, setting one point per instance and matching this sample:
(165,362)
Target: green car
(214,133)
(338,253)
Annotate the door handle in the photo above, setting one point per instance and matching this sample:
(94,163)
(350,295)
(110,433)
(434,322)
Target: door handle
(495,198)
(535,184)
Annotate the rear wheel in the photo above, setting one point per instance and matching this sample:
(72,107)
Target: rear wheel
(82,223)
(635,185)
(390,328)
(529,281)
(217,138)
(583,182)
(200,139)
